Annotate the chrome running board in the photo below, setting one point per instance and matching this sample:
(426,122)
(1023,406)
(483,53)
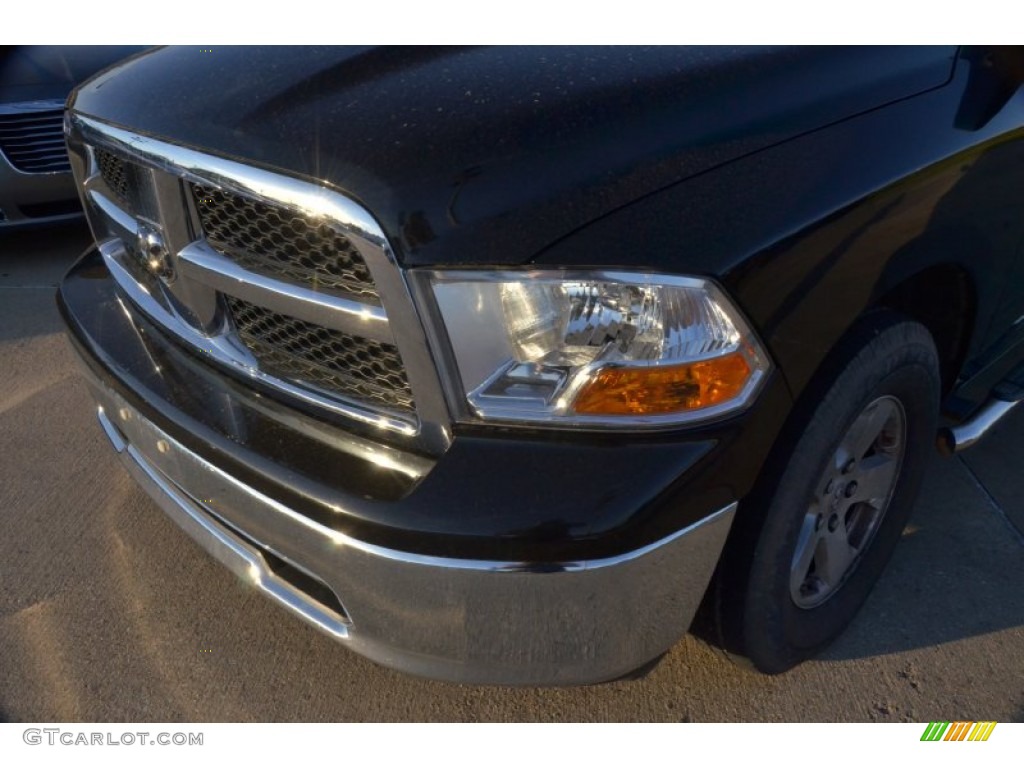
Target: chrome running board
(955,439)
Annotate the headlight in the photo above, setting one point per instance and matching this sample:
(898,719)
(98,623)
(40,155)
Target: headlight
(595,348)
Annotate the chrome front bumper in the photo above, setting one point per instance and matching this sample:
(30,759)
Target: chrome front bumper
(460,620)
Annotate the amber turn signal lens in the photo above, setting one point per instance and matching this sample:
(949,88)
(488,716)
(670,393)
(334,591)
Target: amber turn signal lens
(632,391)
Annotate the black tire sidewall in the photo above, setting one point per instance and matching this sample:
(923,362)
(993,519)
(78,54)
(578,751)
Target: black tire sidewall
(898,361)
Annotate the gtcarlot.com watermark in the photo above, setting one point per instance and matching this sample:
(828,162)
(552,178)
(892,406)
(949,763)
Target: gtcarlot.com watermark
(59,737)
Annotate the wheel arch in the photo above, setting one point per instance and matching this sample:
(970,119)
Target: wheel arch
(943,298)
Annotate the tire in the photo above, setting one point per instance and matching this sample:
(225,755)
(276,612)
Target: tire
(846,484)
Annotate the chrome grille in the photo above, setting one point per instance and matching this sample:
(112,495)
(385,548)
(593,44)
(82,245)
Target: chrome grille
(284,244)
(34,141)
(323,358)
(318,312)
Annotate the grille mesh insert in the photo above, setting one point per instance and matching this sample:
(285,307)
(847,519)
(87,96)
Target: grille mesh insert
(329,360)
(281,243)
(114,171)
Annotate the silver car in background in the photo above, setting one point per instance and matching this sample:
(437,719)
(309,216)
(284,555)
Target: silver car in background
(35,179)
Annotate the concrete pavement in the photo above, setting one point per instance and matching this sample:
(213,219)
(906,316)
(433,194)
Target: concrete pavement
(109,612)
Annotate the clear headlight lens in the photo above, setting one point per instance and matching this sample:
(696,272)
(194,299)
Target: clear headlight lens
(610,348)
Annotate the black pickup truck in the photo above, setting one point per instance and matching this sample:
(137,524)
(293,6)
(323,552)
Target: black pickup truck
(497,364)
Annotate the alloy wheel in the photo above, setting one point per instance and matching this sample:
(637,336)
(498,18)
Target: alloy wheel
(849,502)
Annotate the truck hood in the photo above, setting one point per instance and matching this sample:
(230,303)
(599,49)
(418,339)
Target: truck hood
(488,155)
